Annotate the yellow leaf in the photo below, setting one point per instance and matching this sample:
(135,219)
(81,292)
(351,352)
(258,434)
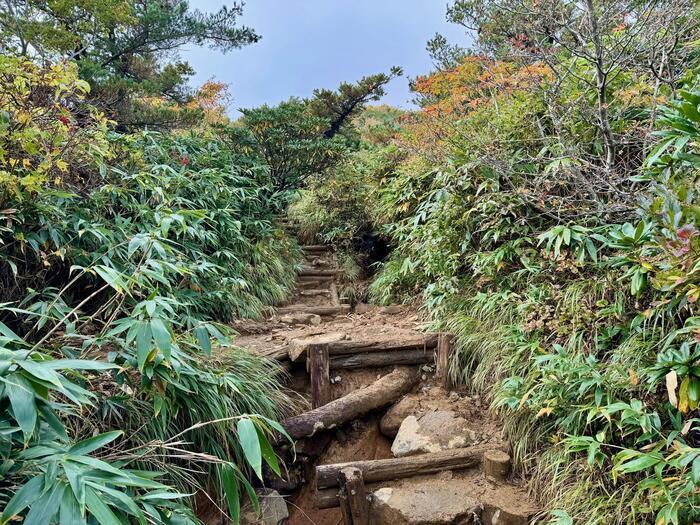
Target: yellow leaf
(683,399)
(62,165)
(633,377)
(544,411)
(671,385)
(26,163)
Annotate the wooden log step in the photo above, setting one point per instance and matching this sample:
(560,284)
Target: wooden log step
(318,310)
(382,392)
(316,278)
(313,283)
(376,359)
(316,248)
(428,342)
(314,292)
(315,272)
(375,470)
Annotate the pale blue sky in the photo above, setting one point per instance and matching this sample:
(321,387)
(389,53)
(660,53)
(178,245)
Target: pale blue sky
(309,44)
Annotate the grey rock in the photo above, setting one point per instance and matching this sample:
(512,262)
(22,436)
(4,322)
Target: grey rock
(432,432)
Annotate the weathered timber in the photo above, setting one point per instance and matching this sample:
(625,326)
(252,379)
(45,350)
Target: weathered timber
(496,464)
(397,468)
(361,347)
(383,391)
(378,359)
(444,353)
(320,378)
(317,310)
(316,248)
(313,283)
(278,354)
(315,278)
(314,292)
(352,497)
(314,272)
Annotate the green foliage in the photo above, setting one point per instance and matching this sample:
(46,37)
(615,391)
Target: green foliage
(289,139)
(521,211)
(123,49)
(121,255)
(339,107)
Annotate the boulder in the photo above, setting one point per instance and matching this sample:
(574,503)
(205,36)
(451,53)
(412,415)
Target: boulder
(273,509)
(443,503)
(301,318)
(432,432)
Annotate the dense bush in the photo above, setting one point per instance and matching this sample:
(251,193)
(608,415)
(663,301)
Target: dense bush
(120,255)
(525,218)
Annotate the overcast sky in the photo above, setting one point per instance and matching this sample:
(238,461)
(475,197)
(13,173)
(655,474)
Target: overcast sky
(309,44)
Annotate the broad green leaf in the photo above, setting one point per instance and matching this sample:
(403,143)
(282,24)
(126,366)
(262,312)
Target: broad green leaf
(25,496)
(101,512)
(23,405)
(248,437)
(91,444)
(231,488)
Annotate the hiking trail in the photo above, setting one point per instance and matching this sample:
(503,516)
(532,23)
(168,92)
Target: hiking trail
(381,435)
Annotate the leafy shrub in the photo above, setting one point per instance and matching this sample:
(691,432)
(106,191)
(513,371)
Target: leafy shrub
(118,275)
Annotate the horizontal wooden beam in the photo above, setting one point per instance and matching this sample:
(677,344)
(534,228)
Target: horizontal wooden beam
(396,468)
(318,310)
(376,359)
(360,347)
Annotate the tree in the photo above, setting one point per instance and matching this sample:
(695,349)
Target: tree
(341,105)
(289,139)
(124,48)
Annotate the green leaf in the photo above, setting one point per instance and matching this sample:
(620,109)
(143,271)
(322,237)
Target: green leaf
(231,487)
(25,496)
(91,444)
(23,405)
(98,509)
(161,335)
(268,453)
(202,335)
(248,437)
(70,509)
(43,510)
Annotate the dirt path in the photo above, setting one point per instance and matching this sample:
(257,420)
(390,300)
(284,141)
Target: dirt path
(426,420)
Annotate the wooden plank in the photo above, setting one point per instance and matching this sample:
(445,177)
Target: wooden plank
(383,391)
(379,359)
(314,272)
(320,375)
(343,309)
(352,497)
(359,347)
(397,468)
(444,353)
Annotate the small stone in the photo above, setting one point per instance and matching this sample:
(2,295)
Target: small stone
(362,308)
(393,309)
